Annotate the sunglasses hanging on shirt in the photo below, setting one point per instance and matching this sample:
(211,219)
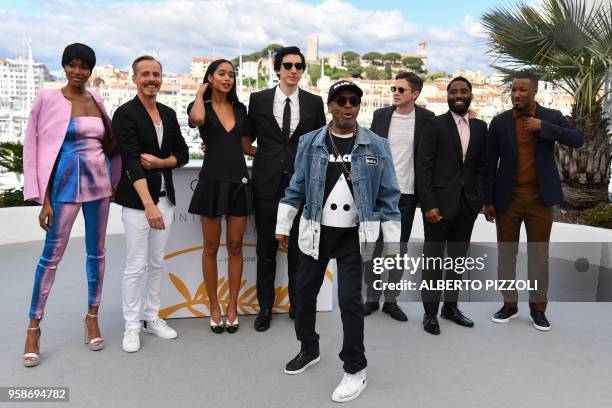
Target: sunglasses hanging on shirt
(288,65)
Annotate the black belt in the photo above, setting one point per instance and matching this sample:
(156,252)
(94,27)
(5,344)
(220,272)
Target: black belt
(162,193)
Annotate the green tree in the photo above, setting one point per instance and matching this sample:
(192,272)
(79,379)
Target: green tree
(336,73)
(374,73)
(372,56)
(11,157)
(388,72)
(354,70)
(314,72)
(392,57)
(350,57)
(414,64)
(437,75)
(570,45)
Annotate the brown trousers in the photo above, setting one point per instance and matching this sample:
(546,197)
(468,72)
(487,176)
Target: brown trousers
(538,218)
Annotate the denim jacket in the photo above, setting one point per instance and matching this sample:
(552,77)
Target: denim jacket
(375,189)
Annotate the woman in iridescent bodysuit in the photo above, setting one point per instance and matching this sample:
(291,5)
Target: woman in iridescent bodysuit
(67,168)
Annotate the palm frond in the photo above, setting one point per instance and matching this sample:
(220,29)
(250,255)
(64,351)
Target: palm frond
(564,41)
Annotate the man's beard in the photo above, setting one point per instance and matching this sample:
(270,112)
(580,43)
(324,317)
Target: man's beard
(459,110)
(344,124)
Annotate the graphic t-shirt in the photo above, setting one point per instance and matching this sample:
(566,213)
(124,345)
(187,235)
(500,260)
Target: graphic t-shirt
(339,218)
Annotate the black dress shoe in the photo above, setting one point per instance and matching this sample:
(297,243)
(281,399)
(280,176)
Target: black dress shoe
(454,314)
(505,314)
(301,362)
(539,320)
(262,322)
(291,312)
(430,323)
(369,307)
(393,310)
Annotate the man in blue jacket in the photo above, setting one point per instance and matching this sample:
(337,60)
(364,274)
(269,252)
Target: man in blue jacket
(344,175)
(523,185)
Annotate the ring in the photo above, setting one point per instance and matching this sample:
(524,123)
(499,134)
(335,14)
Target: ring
(245,180)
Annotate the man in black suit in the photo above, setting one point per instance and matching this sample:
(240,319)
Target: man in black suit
(277,118)
(451,169)
(522,186)
(151,145)
(402,124)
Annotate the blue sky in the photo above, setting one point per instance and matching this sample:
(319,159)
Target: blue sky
(434,12)
(438,12)
(175,31)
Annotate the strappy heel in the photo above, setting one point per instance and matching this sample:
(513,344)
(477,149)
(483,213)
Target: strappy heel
(95,344)
(32,359)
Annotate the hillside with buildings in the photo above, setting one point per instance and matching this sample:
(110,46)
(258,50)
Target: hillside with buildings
(21,78)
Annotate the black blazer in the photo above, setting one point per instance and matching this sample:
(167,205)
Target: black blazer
(275,154)
(442,175)
(135,132)
(382,120)
(502,166)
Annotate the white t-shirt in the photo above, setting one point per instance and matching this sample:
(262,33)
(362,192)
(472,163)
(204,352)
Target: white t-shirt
(159,129)
(401,140)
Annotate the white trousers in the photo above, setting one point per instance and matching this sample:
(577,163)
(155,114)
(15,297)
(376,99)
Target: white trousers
(145,249)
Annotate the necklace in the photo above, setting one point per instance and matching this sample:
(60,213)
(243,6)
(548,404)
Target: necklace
(349,175)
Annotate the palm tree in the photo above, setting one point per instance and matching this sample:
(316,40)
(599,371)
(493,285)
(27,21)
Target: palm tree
(568,44)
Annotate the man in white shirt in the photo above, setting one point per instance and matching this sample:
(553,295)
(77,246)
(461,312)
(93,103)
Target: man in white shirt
(402,124)
(277,118)
(151,146)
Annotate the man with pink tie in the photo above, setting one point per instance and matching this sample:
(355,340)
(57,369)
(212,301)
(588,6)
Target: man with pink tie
(450,178)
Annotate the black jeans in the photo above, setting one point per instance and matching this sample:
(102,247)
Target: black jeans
(454,237)
(310,275)
(407,206)
(267,245)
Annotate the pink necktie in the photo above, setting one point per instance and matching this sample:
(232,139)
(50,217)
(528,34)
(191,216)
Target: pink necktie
(464,134)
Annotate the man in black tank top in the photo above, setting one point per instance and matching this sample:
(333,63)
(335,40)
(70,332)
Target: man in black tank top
(277,118)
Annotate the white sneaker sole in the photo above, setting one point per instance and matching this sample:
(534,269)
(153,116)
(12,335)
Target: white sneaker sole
(514,316)
(130,350)
(301,370)
(159,335)
(352,397)
(540,328)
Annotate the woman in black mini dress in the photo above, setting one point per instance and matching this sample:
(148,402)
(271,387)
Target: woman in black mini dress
(224,187)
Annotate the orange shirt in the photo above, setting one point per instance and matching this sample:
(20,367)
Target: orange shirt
(526,178)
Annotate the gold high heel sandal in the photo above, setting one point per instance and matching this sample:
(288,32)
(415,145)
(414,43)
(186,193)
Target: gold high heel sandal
(95,344)
(32,359)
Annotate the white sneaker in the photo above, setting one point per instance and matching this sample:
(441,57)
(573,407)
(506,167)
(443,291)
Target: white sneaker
(350,387)
(160,328)
(131,340)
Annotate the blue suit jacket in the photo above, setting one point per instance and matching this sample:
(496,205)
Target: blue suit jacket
(502,167)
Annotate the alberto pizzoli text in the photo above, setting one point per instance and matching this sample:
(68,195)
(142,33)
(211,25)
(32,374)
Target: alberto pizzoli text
(466,284)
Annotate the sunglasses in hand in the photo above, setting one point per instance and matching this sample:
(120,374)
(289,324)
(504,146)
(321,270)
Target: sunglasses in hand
(288,65)
(353,100)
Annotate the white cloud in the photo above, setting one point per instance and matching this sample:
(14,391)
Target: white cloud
(179,30)
(472,27)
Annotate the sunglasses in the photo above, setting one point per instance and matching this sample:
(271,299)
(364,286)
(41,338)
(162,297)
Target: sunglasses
(288,65)
(398,89)
(353,100)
